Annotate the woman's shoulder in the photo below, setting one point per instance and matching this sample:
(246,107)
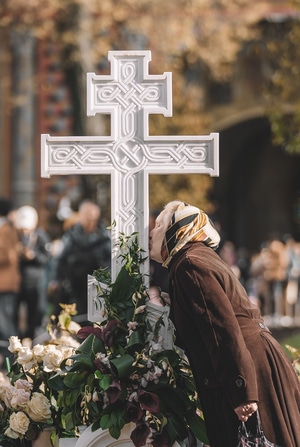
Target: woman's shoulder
(195,253)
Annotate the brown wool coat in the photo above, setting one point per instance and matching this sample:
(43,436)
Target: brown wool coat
(233,355)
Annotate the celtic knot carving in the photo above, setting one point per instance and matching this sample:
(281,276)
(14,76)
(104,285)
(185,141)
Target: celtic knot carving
(129,155)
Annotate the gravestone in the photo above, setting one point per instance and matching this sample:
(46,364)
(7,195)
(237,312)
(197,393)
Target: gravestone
(129,154)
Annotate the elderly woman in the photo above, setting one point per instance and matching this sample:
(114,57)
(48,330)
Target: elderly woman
(237,365)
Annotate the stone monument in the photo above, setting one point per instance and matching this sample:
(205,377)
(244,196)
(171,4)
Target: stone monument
(129,154)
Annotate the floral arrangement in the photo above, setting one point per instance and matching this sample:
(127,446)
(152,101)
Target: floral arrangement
(27,404)
(122,373)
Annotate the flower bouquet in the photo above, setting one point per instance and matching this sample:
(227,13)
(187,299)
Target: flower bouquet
(122,372)
(27,404)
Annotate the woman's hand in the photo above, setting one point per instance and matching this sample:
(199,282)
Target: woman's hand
(246,410)
(157,297)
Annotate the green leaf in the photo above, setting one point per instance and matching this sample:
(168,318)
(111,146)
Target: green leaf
(96,425)
(69,421)
(91,345)
(82,362)
(105,382)
(175,399)
(115,432)
(136,341)
(176,428)
(169,355)
(122,366)
(74,379)
(105,421)
(122,289)
(197,426)
(56,382)
(113,419)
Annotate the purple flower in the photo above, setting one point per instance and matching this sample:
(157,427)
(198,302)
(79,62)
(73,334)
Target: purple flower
(85,331)
(114,391)
(161,440)
(148,401)
(108,332)
(104,334)
(133,412)
(140,434)
(102,367)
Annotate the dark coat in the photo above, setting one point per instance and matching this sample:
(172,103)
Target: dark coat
(82,253)
(233,355)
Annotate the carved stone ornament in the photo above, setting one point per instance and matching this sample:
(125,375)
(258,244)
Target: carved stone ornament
(129,95)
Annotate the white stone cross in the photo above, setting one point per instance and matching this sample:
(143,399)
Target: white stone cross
(129,154)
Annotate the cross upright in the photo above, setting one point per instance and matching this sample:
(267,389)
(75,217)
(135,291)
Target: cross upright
(129,154)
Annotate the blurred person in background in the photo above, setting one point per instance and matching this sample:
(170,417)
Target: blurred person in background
(293,285)
(33,255)
(9,278)
(86,246)
(277,275)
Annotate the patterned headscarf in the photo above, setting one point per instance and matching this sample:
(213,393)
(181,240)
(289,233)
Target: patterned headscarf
(188,223)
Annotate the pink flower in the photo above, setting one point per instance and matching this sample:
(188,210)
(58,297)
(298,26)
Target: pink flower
(132,325)
(19,398)
(22,384)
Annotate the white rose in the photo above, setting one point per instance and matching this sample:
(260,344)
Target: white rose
(38,408)
(67,340)
(11,434)
(14,344)
(38,352)
(52,358)
(24,355)
(18,424)
(66,351)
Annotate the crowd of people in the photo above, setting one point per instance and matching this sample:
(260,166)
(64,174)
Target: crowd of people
(37,272)
(271,277)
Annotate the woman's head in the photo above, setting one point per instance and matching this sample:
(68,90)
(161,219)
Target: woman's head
(178,224)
